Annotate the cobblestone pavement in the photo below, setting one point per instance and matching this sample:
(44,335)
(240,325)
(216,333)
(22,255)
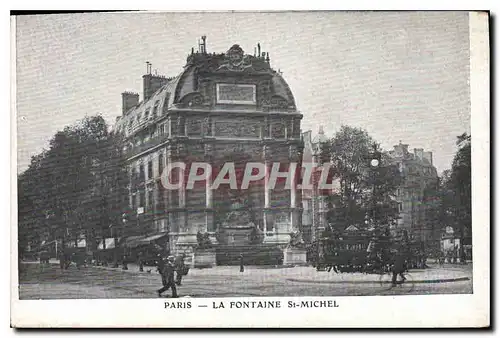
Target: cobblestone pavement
(49,282)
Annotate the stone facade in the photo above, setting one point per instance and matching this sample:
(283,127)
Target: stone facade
(419,177)
(314,216)
(227,107)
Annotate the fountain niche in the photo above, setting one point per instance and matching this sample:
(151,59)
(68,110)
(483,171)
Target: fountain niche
(238,228)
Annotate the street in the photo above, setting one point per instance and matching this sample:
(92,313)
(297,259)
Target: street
(50,282)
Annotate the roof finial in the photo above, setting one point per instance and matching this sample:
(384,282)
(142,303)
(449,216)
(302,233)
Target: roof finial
(258,49)
(203,45)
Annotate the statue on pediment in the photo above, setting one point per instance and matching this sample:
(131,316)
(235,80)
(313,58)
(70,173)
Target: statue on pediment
(235,60)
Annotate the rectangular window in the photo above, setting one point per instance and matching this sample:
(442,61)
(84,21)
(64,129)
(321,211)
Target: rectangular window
(150,200)
(400,207)
(155,110)
(142,176)
(160,164)
(159,199)
(141,199)
(150,170)
(134,202)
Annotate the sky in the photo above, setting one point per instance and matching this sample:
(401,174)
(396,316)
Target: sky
(401,76)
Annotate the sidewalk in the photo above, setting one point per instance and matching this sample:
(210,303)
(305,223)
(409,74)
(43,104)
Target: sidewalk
(308,274)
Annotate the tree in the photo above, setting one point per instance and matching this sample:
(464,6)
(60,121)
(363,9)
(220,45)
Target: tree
(458,186)
(364,190)
(76,186)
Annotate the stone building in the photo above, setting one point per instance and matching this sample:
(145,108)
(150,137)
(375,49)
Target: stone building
(416,196)
(314,202)
(226,107)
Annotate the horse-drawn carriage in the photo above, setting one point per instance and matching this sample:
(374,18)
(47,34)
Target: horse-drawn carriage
(357,252)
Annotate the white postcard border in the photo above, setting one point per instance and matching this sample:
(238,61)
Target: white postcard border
(378,311)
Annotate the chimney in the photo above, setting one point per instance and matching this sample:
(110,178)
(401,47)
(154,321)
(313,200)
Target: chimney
(419,153)
(129,101)
(401,149)
(151,83)
(428,156)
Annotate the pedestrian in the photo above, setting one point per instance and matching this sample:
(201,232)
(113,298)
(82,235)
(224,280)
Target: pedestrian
(179,268)
(399,267)
(141,261)
(242,268)
(463,257)
(455,254)
(166,270)
(441,258)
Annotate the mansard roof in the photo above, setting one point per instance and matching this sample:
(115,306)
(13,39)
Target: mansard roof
(231,64)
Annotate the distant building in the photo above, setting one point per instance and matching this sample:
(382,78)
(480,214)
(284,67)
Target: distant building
(314,204)
(416,198)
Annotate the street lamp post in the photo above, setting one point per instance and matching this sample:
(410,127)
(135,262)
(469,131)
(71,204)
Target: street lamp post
(124,262)
(374,165)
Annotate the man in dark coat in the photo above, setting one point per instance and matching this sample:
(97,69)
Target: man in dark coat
(242,267)
(140,259)
(179,268)
(167,270)
(399,267)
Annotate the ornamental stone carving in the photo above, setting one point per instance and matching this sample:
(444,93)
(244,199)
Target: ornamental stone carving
(194,127)
(236,60)
(267,152)
(208,148)
(293,153)
(237,129)
(207,126)
(278,130)
(276,103)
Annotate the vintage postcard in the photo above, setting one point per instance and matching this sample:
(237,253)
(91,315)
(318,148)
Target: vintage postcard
(251,169)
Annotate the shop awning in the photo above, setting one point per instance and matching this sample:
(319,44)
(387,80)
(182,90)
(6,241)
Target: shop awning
(135,241)
(110,244)
(351,228)
(82,243)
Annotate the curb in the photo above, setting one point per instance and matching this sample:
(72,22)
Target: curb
(119,269)
(428,281)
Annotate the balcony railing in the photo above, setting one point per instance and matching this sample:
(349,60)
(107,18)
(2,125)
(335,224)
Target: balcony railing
(146,145)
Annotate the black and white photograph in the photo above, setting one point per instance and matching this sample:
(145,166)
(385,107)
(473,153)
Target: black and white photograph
(222,162)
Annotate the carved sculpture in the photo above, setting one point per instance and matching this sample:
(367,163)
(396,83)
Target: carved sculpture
(236,60)
(296,240)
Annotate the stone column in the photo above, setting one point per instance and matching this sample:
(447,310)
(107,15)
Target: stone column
(294,157)
(268,226)
(209,211)
(182,191)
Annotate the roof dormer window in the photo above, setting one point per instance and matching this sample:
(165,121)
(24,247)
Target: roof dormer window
(146,114)
(155,109)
